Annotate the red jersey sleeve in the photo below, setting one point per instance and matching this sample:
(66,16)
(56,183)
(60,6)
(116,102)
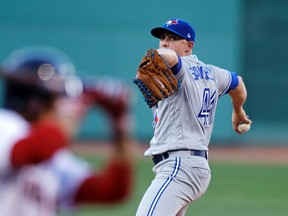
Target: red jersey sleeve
(40,144)
(110,186)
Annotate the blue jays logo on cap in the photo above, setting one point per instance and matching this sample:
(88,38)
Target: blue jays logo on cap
(170,22)
(176,26)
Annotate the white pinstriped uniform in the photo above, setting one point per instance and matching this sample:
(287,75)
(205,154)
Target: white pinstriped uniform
(184,121)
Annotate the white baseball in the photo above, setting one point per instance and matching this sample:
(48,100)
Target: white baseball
(242,128)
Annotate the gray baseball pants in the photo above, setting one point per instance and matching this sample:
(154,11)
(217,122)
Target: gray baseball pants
(180,180)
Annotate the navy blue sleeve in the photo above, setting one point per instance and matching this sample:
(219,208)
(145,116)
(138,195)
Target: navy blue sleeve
(176,68)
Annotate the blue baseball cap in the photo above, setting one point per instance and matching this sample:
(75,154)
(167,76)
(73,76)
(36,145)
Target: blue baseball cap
(176,26)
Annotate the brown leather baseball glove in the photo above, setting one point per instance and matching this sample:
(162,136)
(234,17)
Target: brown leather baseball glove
(154,78)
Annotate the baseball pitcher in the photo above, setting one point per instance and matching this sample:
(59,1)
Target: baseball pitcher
(183,115)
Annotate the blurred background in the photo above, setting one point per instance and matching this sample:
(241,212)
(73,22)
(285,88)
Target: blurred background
(109,38)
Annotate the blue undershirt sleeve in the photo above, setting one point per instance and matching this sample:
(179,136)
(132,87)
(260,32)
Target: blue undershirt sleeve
(176,68)
(234,81)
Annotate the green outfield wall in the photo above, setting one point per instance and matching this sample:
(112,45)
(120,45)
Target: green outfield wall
(108,38)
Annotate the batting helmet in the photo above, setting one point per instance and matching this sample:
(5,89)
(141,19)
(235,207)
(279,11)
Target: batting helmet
(34,76)
(45,67)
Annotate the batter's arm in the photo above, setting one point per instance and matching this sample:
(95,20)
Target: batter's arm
(115,182)
(39,145)
(238,98)
(112,185)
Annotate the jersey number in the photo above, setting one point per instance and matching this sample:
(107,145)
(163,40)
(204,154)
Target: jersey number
(208,106)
